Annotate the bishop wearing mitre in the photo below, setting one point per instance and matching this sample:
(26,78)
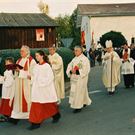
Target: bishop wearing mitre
(111,68)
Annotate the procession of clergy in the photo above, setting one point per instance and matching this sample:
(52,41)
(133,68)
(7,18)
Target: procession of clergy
(33,90)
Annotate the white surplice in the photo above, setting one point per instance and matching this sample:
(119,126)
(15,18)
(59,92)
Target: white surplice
(128,66)
(43,89)
(7,82)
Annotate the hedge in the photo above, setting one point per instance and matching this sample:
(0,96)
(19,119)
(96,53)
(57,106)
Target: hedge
(116,37)
(65,53)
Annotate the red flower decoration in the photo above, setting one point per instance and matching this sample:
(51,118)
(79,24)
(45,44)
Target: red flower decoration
(76,68)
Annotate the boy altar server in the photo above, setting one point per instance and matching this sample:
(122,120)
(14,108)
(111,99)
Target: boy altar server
(7,90)
(128,67)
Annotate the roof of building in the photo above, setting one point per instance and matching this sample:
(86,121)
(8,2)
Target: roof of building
(107,9)
(26,20)
(102,10)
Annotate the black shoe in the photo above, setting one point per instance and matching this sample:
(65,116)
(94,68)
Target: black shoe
(34,126)
(13,121)
(127,87)
(77,110)
(4,119)
(56,118)
(111,93)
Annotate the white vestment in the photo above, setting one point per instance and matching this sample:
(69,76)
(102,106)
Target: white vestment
(58,70)
(23,88)
(128,66)
(111,71)
(79,90)
(43,89)
(8,85)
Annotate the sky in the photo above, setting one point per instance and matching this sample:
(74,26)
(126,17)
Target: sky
(56,6)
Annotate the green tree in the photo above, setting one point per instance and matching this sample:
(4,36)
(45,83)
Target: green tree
(117,38)
(64,30)
(67,28)
(76,32)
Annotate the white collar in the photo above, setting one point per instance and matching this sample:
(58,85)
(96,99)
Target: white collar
(79,56)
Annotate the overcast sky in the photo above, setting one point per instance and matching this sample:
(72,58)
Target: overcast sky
(56,6)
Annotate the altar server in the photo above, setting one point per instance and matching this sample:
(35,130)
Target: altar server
(8,89)
(44,97)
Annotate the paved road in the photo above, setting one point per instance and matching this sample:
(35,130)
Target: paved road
(108,115)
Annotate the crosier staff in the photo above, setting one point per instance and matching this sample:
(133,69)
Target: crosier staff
(111,68)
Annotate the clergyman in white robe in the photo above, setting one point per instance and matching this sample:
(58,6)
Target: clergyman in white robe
(58,70)
(22,97)
(79,90)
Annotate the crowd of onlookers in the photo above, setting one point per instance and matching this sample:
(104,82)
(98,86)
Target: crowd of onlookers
(95,55)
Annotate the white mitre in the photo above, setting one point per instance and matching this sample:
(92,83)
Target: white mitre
(108,44)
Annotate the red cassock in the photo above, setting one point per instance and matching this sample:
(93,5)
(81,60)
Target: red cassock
(44,95)
(5,109)
(40,112)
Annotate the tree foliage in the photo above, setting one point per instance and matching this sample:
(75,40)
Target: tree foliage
(64,29)
(117,38)
(76,32)
(67,28)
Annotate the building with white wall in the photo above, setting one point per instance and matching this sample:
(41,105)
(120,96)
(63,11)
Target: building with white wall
(106,17)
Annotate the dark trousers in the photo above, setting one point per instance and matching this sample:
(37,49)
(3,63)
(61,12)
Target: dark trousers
(129,80)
